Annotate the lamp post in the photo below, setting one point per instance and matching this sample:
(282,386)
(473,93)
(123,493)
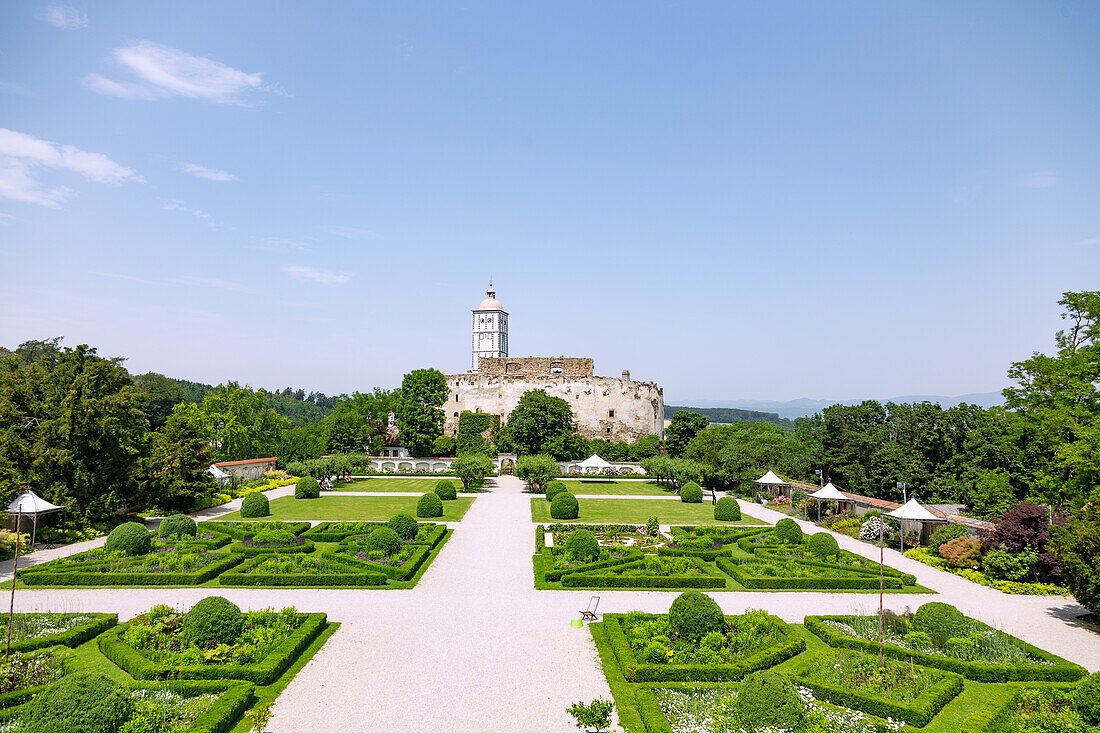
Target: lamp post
(901,524)
(818,472)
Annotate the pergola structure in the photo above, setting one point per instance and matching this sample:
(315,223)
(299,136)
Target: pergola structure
(30,504)
(828,493)
(912,512)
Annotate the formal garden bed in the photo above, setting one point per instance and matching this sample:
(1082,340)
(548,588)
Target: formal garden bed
(335,508)
(667,675)
(636,511)
(717,557)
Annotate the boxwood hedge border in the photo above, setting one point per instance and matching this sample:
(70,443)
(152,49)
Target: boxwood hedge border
(242,578)
(43,575)
(233,528)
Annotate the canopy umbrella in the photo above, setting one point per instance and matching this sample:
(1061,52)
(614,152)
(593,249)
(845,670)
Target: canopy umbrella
(912,511)
(828,493)
(771,481)
(31,504)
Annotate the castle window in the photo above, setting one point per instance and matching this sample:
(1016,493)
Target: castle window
(611,413)
(513,368)
(555,367)
(456,414)
(608,431)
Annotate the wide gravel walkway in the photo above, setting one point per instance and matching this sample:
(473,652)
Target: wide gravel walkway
(475,647)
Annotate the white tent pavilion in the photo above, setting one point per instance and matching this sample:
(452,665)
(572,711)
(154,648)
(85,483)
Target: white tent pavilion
(911,511)
(828,493)
(221,476)
(32,505)
(770,481)
(595,463)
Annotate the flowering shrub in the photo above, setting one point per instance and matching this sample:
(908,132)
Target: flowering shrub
(962,552)
(1027,589)
(21,671)
(873,529)
(158,636)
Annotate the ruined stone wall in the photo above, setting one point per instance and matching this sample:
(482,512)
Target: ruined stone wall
(534,366)
(603,407)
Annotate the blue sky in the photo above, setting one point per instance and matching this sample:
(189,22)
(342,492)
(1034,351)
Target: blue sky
(736,200)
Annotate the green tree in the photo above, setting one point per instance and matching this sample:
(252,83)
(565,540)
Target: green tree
(358,423)
(733,455)
(470,467)
(684,426)
(419,417)
(236,421)
(175,470)
(538,419)
(537,470)
(301,442)
(1077,547)
(159,395)
(72,425)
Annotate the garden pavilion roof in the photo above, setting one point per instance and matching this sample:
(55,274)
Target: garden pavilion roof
(770,479)
(830,493)
(912,510)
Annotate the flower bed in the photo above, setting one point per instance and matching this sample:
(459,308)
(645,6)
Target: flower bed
(922,554)
(25,673)
(779,574)
(982,653)
(153,646)
(649,572)
(37,630)
(300,570)
(163,567)
(750,642)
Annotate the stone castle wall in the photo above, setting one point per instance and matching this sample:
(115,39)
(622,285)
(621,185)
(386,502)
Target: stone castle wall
(603,407)
(534,366)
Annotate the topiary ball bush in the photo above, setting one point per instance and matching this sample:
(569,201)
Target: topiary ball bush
(693,615)
(213,620)
(384,539)
(404,525)
(565,506)
(307,488)
(787,532)
(691,493)
(769,699)
(553,489)
(82,702)
(130,538)
(177,525)
(945,534)
(583,545)
(255,505)
(823,544)
(941,621)
(430,505)
(1086,698)
(445,490)
(727,509)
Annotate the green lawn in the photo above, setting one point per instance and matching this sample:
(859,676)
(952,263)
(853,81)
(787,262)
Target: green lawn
(382,483)
(616,488)
(336,508)
(634,511)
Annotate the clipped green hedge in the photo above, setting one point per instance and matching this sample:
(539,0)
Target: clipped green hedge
(731,567)
(221,715)
(722,534)
(261,673)
(1060,671)
(630,557)
(234,529)
(649,710)
(326,532)
(887,571)
(242,578)
(420,553)
(435,535)
(634,671)
(74,637)
(615,580)
(242,549)
(701,554)
(918,712)
(40,575)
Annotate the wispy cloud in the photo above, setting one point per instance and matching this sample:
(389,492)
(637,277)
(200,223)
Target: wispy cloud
(1087,242)
(1041,179)
(210,174)
(164,72)
(325,277)
(351,232)
(123,276)
(22,156)
(212,282)
(183,207)
(63,16)
(10,88)
(5,218)
(280,244)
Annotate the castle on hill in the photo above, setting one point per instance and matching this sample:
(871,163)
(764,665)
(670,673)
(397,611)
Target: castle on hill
(611,408)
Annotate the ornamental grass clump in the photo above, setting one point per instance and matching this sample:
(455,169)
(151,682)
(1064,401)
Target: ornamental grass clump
(213,620)
(429,505)
(404,525)
(727,510)
(130,538)
(177,525)
(385,540)
(582,545)
(255,505)
(553,489)
(445,490)
(307,488)
(769,700)
(691,493)
(787,532)
(823,545)
(83,702)
(565,506)
(693,615)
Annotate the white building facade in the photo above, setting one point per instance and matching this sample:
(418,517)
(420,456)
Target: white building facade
(490,329)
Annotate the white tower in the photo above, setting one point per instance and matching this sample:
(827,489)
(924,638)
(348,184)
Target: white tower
(490,337)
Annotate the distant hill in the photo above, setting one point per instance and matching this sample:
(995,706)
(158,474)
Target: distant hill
(803,407)
(730,415)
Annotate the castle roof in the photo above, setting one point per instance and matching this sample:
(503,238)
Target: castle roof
(490,303)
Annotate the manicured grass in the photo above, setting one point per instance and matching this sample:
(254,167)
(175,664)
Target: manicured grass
(616,488)
(382,483)
(336,508)
(634,511)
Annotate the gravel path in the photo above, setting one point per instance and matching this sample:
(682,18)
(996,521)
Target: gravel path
(475,647)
